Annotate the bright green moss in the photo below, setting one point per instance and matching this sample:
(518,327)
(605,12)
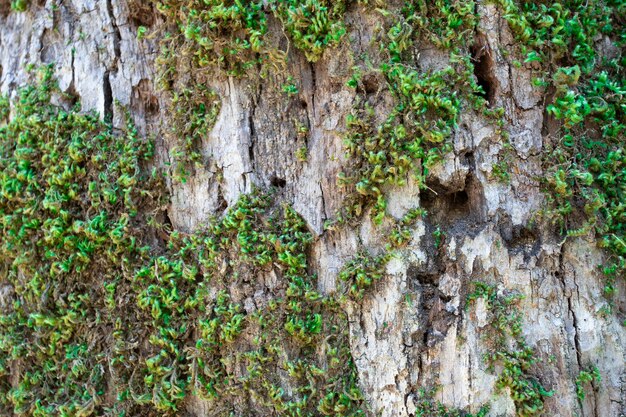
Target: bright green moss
(508,349)
(285,334)
(104,295)
(231,35)
(385,154)
(415,134)
(4,107)
(446,24)
(313,25)
(401,233)
(108,315)
(426,406)
(20,5)
(228,35)
(554,32)
(586,164)
(586,377)
(195,111)
(69,198)
(362,271)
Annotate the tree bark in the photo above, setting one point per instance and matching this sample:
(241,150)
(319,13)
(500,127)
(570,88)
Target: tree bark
(412,329)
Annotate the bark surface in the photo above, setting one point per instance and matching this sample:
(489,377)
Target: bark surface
(411,330)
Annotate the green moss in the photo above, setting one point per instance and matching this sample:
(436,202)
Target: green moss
(302,154)
(446,24)
(231,35)
(585,165)
(401,233)
(584,377)
(508,351)
(195,111)
(5,107)
(111,316)
(69,199)
(313,25)
(362,271)
(286,333)
(20,5)
(415,134)
(426,406)
(228,34)
(105,295)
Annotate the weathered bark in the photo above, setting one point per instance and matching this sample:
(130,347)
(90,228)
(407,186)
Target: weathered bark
(411,330)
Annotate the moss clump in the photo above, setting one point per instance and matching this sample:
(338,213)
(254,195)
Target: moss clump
(447,24)
(427,104)
(231,35)
(20,5)
(285,332)
(69,199)
(362,271)
(585,164)
(586,376)
(385,154)
(509,351)
(195,111)
(5,108)
(228,35)
(426,406)
(109,312)
(313,25)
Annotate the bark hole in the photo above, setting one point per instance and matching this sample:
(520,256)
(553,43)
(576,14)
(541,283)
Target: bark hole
(484,69)
(454,203)
(370,84)
(222,204)
(435,320)
(163,233)
(519,239)
(468,159)
(108,97)
(523,240)
(5,8)
(424,279)
(48,51)
(458,211)
(278,182)
(70,97)
(141,13)
(144,98)
(459,200)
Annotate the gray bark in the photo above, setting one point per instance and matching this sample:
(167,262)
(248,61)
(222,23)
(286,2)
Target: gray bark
(411,330)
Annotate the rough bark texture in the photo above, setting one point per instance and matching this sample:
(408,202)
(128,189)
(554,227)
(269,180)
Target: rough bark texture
(411,329)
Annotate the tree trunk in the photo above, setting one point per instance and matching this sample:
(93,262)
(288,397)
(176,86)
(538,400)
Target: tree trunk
(419,330)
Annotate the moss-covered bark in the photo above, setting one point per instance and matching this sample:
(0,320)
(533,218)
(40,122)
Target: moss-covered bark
(312,208)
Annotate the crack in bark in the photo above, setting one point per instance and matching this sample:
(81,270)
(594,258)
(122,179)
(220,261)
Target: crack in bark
(407,396)
(362,325)
(253,134)
(469,378)
(313,88)
(117,37)
(108,97)
(323,204)
(568,295)
(251,144)
(72,83)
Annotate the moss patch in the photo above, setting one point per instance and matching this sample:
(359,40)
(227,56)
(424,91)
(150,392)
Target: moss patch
(108,312)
